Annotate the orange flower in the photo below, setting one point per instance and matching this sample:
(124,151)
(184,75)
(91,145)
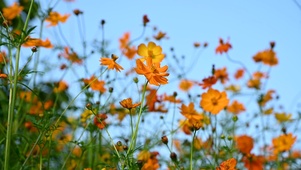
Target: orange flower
(3,58)
(73,57)
(2,75)
(267,57)
(155,74)
(54,18)
(208,82)
(151,51)
(266,98)
(99,120)
(283,143)
(30,42)
(229,164)
(129,52)
(151,100)
(190,113)
(111,63)
(160,35)
(214,101)
(95,84)
(283,117)
(12,12)
(244,144)
(239,74)
(253,162)
(196,44)
(128,104)
(222,75)
(236,107)
(223,47)
(171,98)
(62,86)
(152,163)
(124,40)
(185,85)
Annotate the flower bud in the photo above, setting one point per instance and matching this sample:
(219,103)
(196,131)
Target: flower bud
(164,139)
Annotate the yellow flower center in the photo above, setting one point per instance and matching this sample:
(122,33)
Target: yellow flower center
(150,54)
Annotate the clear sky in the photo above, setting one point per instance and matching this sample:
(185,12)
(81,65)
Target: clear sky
(250,26)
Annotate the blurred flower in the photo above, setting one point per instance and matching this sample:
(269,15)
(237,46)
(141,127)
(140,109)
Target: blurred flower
(235,107)
(253,162)
(124,40)
(283,117)
(95,84)
(61,86)
(233,88)
(266,98)
(155,74)
(54,18)
(73,57)
(267,57)
(152,163)
(145,20)
(223,47)
(185,85)
(229,164)
(189,112)
(160,35)
(283,143)
(196,44)
(222,75)
(244,143)
(214,101)
(128,104)
(151,51)
(30,42)
(99,120)
(171,98)
(3,76)
(111,63)
(12,11)
(208,82)
(239,73)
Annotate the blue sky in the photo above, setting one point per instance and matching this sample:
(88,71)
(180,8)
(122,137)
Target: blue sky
(250,26)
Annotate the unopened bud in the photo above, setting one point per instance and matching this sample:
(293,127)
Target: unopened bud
(34,49)
(173,156)
(164,139)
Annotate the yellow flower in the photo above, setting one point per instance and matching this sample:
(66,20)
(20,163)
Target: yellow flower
(214,101)
(283,117)
(12,12)
(151,51)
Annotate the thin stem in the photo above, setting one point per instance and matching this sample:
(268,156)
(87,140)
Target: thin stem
(191,150)
(12,93)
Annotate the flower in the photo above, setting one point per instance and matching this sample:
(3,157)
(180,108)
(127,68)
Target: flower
(12,11)
(244,144)
(283,117)
(267,57)
(189,112)
(208,82)
(127,103)
(185,85)
(30,42)
(62,86)
(155,74)
(253,162)
(222,75)
(214,101)
(266,98)
(160,35)
(236,107)
(283,142)
(229,164)
(171,98)
(239,73)
(99,121)
(54,18)
(73,57)
(151,51)
(223,47)
(95,84)
(111,63)
(124,40)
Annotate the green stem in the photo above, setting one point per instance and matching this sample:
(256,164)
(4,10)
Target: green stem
(134,136)
(191,150)
(12,94)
